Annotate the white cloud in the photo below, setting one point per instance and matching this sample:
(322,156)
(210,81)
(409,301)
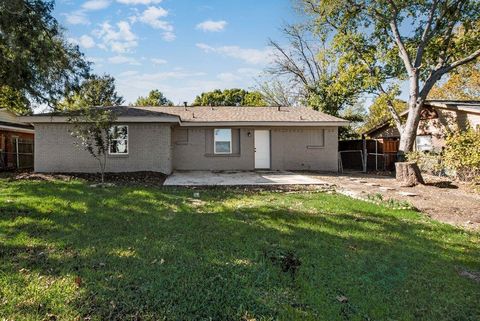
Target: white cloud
(96,60)
(76,18)
(152,17)
(96,4)
(212,26)
(178,85)
(117,60)
(249,71)
(248,55)
(84,41)
(228,76)
(121,40)
(158,61)
(134,2)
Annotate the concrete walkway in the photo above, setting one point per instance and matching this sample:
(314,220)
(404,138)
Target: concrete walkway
(236,178)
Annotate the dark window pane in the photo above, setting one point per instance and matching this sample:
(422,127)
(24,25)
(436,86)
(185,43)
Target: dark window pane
(119,147)
(222,147)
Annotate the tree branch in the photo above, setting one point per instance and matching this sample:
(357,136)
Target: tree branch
(398,40)
(392,110)
(425,35)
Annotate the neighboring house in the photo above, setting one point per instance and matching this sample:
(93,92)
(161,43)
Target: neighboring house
(16,142)
(437,118)
(163,139)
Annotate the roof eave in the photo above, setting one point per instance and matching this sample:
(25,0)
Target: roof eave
(265,123)
(123,119)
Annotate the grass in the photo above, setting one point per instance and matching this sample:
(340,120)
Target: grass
(72,252)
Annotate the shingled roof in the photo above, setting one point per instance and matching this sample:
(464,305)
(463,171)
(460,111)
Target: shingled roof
(245,114)
(205,115)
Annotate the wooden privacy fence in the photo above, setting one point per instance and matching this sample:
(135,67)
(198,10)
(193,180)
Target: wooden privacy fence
(20,156)
(368,154)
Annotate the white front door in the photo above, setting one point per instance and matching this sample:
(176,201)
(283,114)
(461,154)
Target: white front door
(262,149)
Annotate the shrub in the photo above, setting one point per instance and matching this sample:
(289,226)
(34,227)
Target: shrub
(462,154)
(430,163)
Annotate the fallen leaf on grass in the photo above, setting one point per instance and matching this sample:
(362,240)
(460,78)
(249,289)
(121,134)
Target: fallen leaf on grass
(78,281)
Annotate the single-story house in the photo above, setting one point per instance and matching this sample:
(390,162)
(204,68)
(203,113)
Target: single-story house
(16,141)
(164,139)
(437,118)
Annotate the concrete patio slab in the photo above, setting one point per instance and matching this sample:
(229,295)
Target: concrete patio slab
(239,178)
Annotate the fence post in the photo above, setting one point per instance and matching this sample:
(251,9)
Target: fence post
(365,154)
(18,154)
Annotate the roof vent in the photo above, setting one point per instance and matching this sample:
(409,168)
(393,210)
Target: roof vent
(185,105)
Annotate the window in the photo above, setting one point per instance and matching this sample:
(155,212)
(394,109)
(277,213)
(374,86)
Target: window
(180,136)
(424,143)
(119,140)
(316,138)
(222,141)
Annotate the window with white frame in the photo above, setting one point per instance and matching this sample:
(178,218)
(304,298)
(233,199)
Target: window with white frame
(119,140)
(222,141)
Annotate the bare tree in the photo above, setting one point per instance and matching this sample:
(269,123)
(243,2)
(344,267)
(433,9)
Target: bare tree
(92,127)
(318,76)
(276,92)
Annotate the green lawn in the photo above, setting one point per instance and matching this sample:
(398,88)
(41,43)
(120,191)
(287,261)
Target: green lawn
(72,252)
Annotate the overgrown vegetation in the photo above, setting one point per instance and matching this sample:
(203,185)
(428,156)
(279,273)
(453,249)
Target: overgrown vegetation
(431,163)
(462,154)
(72,252)
(460,158)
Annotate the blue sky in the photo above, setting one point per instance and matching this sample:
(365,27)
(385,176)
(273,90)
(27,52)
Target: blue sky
(181,47)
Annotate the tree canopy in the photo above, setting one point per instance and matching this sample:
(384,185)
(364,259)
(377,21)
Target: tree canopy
(378,112)
(14,100)
(36,61)
(463,84)
(321,79)
(390,41)
(230,97)
(93,91)
(155,98)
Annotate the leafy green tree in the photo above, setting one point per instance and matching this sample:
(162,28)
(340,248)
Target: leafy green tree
(94,91)
(416,41)
(36,61)
(14,101)
(154,98)
(230,97)
(254,98)
(378,112)
(463,84)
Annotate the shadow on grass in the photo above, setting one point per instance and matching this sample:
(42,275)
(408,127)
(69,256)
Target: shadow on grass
(154,254)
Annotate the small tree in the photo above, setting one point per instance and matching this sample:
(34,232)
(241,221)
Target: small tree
(92,127)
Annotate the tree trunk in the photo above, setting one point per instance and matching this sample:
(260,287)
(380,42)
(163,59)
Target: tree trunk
(408,174)
(409,132)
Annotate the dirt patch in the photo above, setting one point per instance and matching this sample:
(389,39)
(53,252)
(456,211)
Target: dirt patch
(475,276)
(122,179)
(448,201)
